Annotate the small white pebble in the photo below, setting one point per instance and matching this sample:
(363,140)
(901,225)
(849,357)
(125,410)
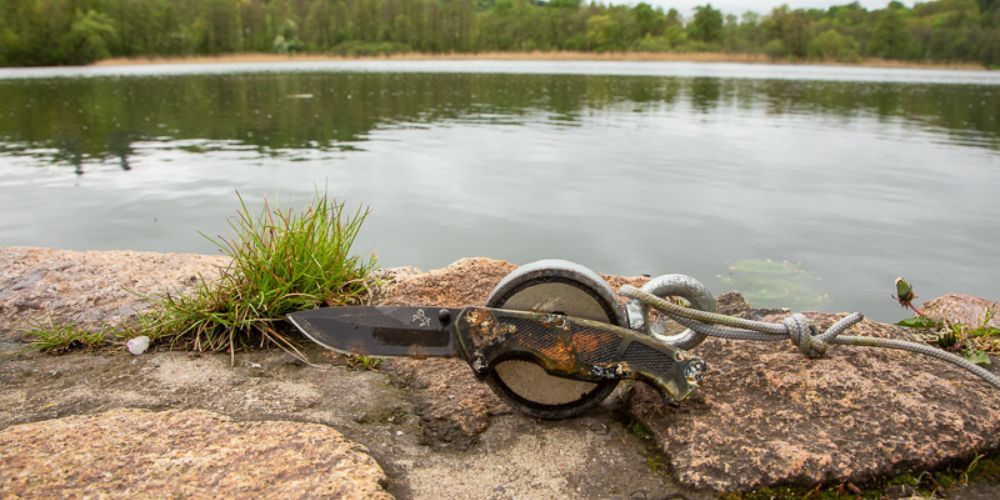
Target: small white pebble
(138,345)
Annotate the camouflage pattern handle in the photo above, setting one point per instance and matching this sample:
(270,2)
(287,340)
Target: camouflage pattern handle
(574,348)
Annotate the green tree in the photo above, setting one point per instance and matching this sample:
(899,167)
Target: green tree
(792,28)
(35,32)
(565,4)
(891,38)
(706,26)
(673,18)
(287,40)
(89,37)
(831,45)
(989,52)
(600,32)
(9,41)
(256,36)
(775,49)
(648,20)
(318,33)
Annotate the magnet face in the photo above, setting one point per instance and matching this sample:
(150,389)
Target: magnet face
(552,286)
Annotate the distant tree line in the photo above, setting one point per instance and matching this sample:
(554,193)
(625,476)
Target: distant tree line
(50,32)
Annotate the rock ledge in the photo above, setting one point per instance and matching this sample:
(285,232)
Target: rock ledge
(138,453)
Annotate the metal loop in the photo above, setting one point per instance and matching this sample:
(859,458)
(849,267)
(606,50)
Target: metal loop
(669,285)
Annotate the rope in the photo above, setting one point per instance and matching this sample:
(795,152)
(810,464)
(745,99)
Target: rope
(797,328)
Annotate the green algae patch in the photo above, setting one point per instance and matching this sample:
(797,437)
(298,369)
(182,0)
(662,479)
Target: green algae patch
(774,283)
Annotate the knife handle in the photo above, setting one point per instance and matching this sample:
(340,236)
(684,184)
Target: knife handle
(575,348)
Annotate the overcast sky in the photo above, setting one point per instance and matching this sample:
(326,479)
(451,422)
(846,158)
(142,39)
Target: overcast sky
(686,7)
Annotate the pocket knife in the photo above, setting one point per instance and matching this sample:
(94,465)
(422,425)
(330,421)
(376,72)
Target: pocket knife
(564,346)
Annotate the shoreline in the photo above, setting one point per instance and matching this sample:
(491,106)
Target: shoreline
(701,57)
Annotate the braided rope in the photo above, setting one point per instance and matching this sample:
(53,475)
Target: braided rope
(797,328)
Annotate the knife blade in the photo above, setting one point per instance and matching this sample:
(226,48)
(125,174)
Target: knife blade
(380,331)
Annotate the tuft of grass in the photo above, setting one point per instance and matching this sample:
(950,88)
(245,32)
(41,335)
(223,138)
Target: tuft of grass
(282,261)
(57,338)
(363,362)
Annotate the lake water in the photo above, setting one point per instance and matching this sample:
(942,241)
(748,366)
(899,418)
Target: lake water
(808,187)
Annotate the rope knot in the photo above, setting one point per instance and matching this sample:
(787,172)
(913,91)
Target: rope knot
(803,333)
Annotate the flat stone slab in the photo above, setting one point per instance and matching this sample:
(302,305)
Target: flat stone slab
(42,284)
(962,308)
(140,454)
(767,415)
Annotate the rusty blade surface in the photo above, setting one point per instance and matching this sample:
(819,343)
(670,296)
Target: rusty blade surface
(381,331)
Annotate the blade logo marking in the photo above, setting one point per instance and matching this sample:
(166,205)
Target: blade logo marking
(421,319)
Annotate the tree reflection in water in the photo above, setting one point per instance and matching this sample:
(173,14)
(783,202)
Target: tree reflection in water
(97,119)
